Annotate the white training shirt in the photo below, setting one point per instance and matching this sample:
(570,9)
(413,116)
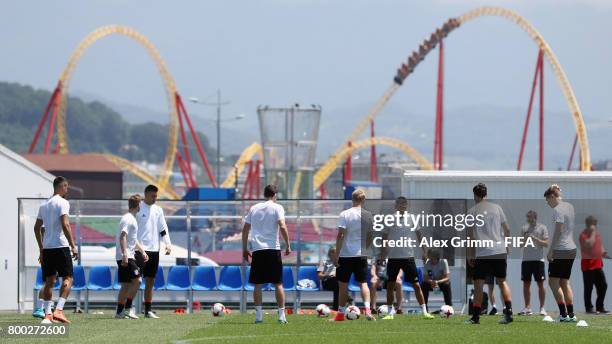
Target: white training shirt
(263,218)
(151,222)
(350,220)
(491,230)
(534,253)
(129,226)
(564,213)
(50,212)
(402,233)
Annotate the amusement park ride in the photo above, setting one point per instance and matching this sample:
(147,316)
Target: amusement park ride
(251,157)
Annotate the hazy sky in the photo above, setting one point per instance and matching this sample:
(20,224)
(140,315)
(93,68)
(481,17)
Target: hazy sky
(340,54)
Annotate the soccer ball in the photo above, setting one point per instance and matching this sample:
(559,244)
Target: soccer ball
(446,311)
(217,310)
(352,313)
(383,310)
(323,310)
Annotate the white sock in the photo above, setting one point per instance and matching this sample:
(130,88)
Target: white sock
(424,308)
(366,305)
(48,305)
(281,314)
(60,303)
(39,303)
(258,313)
(391,309)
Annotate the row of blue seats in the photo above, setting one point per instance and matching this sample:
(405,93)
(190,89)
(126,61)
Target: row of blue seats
(204,279)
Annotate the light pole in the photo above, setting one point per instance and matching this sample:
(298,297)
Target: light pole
(218,121)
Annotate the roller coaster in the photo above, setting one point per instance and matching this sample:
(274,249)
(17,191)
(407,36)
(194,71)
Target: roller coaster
(55,112)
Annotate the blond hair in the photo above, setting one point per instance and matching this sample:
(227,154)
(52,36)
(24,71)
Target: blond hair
(358,196)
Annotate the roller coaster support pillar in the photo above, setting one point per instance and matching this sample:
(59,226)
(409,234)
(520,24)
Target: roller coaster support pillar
(541,146)
(348,169)
(537,73)
(53,102)
(373,162)
(439,132)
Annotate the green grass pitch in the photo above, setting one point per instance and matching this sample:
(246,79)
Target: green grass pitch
(201,327)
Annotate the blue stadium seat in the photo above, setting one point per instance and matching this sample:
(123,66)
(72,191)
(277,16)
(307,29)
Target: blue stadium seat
(230,278)
(159,283)
(100,278)
(178,278)
(79,282)
(204,278)
(353,286)
(40,283)
(308,272)
(288,281)
(407,286)
(420,274)
(250,286)
(117,285)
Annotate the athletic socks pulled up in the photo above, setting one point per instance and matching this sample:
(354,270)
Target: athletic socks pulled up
(366,305)
(60,303)
(128,303)
(48,305)
(147,306)
(258,313)
(508,309)
(424,308)
(476,312)
(563,310)
(570,310)
(281,314)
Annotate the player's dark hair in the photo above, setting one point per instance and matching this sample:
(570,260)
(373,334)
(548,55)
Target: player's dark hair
(134,201)
(151,188)
(270,191)
(480,190)
(433,254)
(532,212)
(590,220)
(553,190)
(58,180)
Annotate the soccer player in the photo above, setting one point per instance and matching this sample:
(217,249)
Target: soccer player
(533,261)
(151,227)
(38,310)
(351,257)
(57,249)
(562,253)
(490,259)
(128,271)
(263,222)
(592,252)
(402,258)
(437,275)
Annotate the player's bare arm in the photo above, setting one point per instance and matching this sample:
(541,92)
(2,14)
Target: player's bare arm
(555,239)
(38,232)
(141,249)
(245,241)
(285,234)
(339,243)
(124,250)
(68,233)
(419,237)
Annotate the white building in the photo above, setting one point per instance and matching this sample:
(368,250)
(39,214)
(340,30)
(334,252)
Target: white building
(518,192)
(20,179)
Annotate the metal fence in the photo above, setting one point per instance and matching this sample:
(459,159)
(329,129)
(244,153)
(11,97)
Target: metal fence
(202,232)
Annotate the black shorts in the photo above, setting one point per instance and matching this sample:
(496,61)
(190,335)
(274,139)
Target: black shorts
(533,268)
(352,265)
(57,261)
(491,265)
(148,268)
(407,265)
(561,266)
(127,273)
(266,267)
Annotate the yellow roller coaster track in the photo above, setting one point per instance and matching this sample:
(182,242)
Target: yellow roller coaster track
(411,152)
(330,165)
(170,88)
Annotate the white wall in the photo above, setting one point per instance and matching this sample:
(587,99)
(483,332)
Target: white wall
(20,179)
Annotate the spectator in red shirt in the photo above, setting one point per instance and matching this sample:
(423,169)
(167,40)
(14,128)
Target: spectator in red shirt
(592,253)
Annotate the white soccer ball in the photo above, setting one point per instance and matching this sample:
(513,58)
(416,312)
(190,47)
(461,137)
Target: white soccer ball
(323,310)
(383,310)
(446,311)
(352,313)
(217,310)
